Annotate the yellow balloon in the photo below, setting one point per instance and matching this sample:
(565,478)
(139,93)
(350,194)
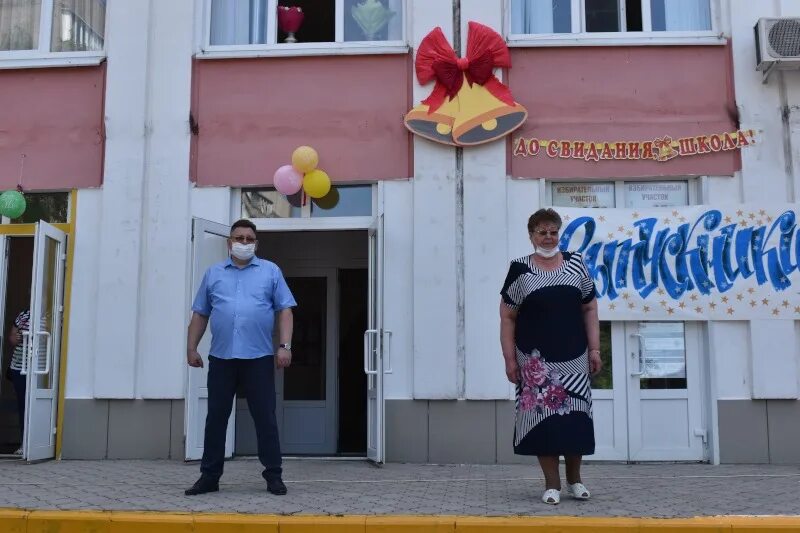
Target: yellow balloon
(316,183)
(305,159)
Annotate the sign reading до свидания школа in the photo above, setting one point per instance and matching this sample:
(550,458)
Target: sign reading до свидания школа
(660,149)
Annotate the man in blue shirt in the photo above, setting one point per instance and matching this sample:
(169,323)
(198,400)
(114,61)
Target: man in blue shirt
(241,296)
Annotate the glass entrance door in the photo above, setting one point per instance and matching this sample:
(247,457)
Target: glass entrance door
(647,402)
(306,391)
(664,393)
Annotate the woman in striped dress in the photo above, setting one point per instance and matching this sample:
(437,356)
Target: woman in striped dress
(550,337)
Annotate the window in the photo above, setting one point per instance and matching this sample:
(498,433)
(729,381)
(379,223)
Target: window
(638,194)
(45,26)
(605,379)
(656,194)
(269,203)
(52,207)
(353,201)
(287,22)
(590,17)
(599,194)
(663,355)
(342,201)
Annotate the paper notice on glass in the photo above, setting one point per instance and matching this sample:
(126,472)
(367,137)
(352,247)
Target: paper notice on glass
(583,195)
(657,194)
(663,350)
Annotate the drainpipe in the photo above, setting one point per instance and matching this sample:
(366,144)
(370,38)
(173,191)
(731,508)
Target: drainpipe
(461,353)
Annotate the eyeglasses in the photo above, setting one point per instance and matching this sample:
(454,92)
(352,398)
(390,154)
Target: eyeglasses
(545,233)
(243,240)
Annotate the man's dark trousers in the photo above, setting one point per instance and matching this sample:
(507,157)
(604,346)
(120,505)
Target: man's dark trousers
(257,376)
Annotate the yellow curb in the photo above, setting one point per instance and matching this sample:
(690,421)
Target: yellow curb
(13,520)
(554,524)
(21,521)
(710,524)
(69,522)
(411,524)
(133,522)
(235,523)
(762,524)
(323,524)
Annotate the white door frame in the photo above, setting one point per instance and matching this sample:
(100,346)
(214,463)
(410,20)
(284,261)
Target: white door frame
(692,396)
(376,348)
(196,378)
(340,224)
(42,346)
(612,402)
(330,404)
(4,243)
(621,406)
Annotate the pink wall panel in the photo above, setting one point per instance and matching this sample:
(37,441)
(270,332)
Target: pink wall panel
(623,94)
(54,117)
(252,113)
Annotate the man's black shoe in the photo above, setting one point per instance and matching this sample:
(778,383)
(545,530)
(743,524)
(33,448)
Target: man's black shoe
(202,486)
(275,486)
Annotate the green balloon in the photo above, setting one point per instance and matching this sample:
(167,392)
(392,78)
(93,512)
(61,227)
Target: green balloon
(12,204)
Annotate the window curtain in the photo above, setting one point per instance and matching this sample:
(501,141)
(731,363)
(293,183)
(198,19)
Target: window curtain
(19,24)
(238,22)
(541,16)
(396,24)
(78,25)
(392,31)
(681,15)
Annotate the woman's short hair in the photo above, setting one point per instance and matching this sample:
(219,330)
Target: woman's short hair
(543,216)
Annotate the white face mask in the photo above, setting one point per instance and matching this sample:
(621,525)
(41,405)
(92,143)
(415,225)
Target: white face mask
(547,252)
(243,252)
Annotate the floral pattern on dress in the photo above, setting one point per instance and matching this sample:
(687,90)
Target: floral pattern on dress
(542,388)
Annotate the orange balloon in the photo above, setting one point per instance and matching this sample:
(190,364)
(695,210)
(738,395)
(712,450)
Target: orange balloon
(305,159)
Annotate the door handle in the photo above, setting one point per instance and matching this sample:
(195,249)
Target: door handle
(387,351)
(639,372)
(367,355)
(26,348)
(47,356)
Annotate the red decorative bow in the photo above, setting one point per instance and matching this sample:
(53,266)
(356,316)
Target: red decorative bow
(436,60)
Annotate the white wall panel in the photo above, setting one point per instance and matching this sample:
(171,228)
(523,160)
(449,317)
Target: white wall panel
(434,240)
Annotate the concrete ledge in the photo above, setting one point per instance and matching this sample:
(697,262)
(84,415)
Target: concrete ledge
(21,521)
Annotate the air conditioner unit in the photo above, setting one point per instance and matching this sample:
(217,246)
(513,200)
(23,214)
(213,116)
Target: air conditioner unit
(777,44)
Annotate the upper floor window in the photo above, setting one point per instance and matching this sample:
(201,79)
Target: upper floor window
(41,27)
(592,17)
(289,22)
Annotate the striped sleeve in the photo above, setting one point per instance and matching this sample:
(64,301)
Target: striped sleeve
(512,292)
(588,291)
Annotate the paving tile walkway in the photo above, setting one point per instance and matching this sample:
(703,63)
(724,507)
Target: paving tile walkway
(336,487)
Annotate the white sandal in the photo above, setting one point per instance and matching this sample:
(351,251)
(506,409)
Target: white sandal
(551,496)
(578,491)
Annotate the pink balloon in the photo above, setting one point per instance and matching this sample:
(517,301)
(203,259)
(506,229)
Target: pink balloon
(287,180)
